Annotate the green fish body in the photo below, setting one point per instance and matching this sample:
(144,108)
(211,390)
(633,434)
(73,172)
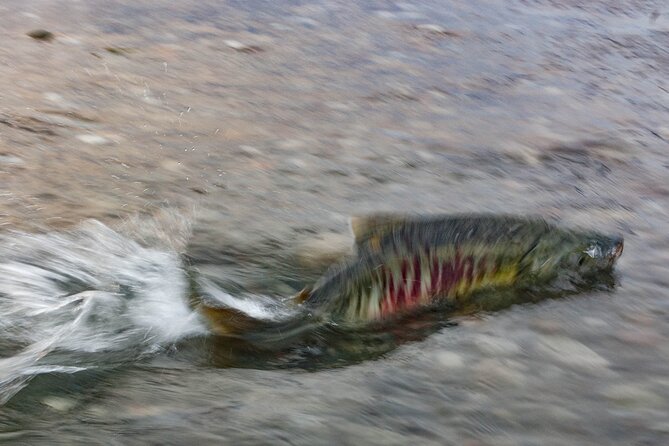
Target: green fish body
(407,263)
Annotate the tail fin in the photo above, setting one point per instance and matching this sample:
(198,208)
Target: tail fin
(228,321)
(262,321)
(264,334)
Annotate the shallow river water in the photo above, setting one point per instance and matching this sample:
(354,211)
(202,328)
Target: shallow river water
(237,138)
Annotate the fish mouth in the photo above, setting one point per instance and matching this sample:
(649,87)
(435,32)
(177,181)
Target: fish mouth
(616,250)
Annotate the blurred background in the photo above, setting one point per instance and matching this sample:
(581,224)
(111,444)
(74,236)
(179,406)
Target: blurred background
(267,124)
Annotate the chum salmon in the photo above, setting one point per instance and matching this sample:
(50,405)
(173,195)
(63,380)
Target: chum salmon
(407,263)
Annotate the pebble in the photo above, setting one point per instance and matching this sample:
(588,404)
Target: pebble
(521,153)
(69,40)
(662,426)
(338,106)
(249,151)
(291,166)
(450,360)
(633,396)
(305,21)
(499,373)
(303,421)
(292,144)
(151,100)
(644,338)
(554,91)
(664,132)
(425,156)
(562,414)
(54,97)
(142,411)
(594,322)
(9,159)
(404,15)
(496,346)
(640,318)
(93,139)
(280,26)
(571,352)
(436,29)
(480,399)
(242,47)
(172,165)
(98,411)
(547,326)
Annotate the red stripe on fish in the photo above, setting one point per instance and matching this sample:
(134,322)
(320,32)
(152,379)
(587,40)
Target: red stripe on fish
(404,291)
(415,295)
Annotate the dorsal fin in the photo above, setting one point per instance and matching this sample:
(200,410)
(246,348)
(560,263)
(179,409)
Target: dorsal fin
(372,227)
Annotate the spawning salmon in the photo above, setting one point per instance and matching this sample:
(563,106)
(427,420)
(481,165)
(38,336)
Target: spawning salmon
(408,263)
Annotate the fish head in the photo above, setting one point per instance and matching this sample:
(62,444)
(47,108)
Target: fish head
(575,256)
(602,252)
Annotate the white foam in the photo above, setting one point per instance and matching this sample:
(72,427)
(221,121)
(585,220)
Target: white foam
(85,291)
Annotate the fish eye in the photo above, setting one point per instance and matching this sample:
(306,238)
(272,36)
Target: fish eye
(581,259)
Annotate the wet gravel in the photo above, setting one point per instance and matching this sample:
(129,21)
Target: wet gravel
(272,123)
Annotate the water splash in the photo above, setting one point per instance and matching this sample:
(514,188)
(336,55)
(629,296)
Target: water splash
(86,291)
(256,306)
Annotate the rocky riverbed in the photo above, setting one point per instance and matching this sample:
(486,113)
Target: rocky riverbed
(267,124)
